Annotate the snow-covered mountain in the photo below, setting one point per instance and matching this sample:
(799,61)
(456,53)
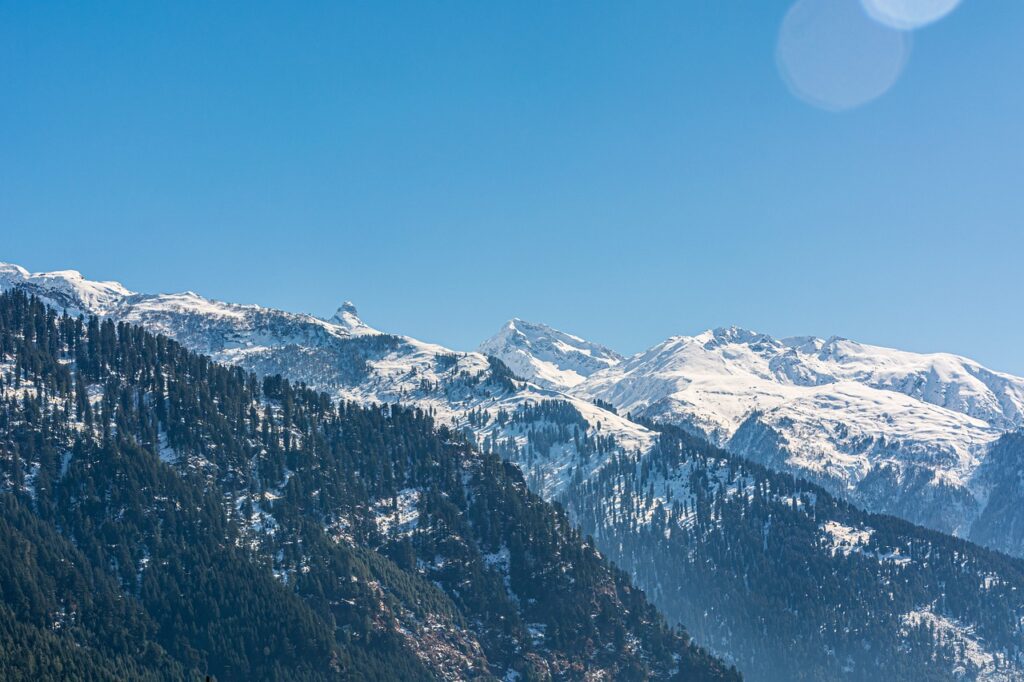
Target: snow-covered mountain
(546,356)
(351,360)
(719,377)
(696,526)
(898,432)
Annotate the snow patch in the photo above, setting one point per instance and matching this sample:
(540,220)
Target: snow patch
(974,660)
(845,539)
(398,516)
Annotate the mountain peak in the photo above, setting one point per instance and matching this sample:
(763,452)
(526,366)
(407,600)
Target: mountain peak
(529,331)
(737,334)
(11,270)
(551,358)
(347,317)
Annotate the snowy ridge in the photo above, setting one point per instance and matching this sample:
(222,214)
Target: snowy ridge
(65,288)
(718,378)
(950,381)
(348,359)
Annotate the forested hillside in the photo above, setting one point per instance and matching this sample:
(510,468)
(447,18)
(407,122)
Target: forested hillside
(168,517)
(794,584)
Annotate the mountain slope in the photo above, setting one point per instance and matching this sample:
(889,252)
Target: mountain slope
(794,584)
(250,529)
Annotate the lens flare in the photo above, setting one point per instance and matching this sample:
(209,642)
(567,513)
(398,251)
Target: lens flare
(832,55)
(907,15)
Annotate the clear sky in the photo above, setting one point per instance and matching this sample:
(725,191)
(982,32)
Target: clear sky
(624,171)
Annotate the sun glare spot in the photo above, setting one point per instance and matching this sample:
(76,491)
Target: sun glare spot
(908,14)
(832,55)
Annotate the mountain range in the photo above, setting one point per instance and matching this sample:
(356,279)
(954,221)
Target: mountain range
(896,432)
(719,469)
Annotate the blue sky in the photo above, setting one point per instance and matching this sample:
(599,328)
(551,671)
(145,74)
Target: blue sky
(624,171)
